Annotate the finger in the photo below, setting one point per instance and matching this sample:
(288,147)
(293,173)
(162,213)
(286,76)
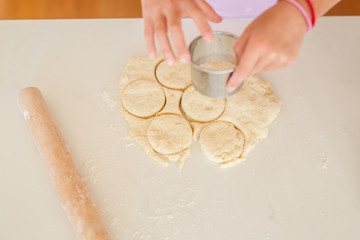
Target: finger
(239,48)
(177,36)
(208,11)
(162,37)
(149,38)
(241,43)
(245,67)
(200,21)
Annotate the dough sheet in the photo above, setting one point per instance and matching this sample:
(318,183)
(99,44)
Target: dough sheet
(165,114)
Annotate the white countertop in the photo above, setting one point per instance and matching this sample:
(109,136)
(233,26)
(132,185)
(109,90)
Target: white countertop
(301,182)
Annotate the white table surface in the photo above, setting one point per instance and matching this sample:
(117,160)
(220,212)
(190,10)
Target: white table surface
(301,182)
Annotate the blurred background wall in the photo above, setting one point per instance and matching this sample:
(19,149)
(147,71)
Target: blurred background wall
(55,9)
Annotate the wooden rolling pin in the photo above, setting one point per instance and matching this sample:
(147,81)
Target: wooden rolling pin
(71,188)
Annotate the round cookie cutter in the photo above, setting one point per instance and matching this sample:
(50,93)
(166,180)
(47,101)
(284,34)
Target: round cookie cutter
(208,82)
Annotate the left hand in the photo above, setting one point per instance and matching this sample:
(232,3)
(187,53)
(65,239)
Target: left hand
(163,19)
(271,41)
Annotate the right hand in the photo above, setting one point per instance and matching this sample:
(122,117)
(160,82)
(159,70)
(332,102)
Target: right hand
(163,16)
(271,41)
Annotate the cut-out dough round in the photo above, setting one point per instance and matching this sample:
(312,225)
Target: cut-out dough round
(143,98)
(175,77)
(169,133)
(200,108)
(220,141)
(217,65)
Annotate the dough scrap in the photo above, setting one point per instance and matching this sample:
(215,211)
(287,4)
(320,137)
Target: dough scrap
(172,101)
(143,98)
(221,142)
(252,110)
(176,77)
(217,65)
(139,68)
(137,130)
(169,134)
(200,108)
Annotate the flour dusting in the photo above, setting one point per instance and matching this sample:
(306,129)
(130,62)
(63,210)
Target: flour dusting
(324,161)
(108,99)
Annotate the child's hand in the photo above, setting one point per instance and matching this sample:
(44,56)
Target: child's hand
(271,41)
(163,16)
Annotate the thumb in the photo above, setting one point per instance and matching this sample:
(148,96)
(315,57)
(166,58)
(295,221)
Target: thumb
(245,66)
(236,79)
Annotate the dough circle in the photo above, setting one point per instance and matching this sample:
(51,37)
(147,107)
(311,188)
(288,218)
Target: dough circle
(220,141)
(176,77)
(169,134)
(143,98)
(217,65)
(200,108)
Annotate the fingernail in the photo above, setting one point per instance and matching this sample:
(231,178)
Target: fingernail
(152,55)
(169,59)
(209,37)
(185,58)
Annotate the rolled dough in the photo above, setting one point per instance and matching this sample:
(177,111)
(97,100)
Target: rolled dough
(221,142)
(169,134)
(143,98)
(226,129)
(217,65)
(200,108)
(252,110)
(174,77)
